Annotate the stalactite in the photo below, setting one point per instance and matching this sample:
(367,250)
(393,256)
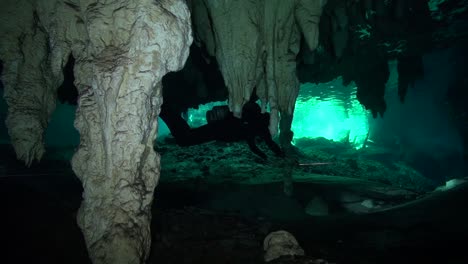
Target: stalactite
(256,46)
(30,78)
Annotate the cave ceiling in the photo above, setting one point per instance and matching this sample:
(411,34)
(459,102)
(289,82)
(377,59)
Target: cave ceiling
(356,41)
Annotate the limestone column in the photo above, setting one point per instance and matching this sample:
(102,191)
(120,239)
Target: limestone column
(131,45)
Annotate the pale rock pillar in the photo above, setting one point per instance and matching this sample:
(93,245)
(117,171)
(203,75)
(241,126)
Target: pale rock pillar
(282,40)
(130,46)
(285,21)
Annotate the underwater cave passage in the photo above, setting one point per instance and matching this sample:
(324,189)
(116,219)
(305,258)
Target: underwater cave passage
(358,186)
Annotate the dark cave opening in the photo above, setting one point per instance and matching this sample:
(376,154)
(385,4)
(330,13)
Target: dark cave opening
(67,91)
(200,81)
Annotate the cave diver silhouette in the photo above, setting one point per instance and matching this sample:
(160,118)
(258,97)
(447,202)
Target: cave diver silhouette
(223,126)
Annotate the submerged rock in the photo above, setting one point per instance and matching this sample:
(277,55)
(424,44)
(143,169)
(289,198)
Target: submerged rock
(281,243)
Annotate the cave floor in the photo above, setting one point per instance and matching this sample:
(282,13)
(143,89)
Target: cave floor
(210,216)
(219,162)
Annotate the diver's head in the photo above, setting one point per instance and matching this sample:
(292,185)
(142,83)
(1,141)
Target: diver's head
(251,111)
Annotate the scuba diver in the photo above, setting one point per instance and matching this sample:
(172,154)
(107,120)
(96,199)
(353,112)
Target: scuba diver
(223,126)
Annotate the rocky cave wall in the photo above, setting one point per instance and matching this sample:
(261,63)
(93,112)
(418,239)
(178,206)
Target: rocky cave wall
(356,41)
(270,47)
(122,49)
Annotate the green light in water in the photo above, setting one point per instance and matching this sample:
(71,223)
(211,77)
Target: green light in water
(197,117)
(328,110)
(331,111)
(194,117)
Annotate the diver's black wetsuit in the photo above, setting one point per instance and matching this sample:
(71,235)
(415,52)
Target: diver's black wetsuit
(253,124)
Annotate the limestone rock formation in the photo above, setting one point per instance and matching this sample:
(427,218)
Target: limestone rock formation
(28,79)
(122,49)
(120,100)
(236,41)
(256,44)
(285,21)
(281,243)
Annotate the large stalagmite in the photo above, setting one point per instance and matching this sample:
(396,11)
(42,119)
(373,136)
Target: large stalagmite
(256,43)
(122,48)
(133,44)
